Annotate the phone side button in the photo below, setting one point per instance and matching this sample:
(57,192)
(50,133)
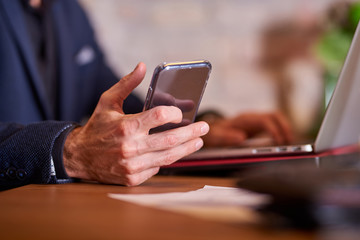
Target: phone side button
(148,96)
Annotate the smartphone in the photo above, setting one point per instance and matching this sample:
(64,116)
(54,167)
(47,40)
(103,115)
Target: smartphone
(180,84)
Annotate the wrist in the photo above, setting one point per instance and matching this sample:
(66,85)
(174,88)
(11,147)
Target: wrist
(57,152)
(71,159)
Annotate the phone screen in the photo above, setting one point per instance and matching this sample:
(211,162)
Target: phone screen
(181,85)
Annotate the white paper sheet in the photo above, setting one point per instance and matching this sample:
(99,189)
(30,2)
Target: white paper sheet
(221,203)
(208,195)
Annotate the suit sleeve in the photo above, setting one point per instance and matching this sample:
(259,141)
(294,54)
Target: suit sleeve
(26,153)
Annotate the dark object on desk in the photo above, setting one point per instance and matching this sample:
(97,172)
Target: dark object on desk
(307,198)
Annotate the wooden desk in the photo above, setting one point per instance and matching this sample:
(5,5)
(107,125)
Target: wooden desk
(84,211)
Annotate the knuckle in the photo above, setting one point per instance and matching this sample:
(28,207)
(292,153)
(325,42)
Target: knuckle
(160,114)
(193,146)
(104,98)
(126,150)
(132,180)
(136,179)
(171,140)
(156,170)
(129,168)
(127,127)
(168,158)
(128,181)
(122,128)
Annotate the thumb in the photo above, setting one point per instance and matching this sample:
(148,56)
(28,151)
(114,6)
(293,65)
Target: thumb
(121,90)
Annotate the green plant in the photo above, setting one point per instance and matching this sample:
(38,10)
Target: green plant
(334,45)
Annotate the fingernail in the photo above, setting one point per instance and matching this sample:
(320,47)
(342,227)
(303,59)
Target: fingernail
(136,67)
(204,129)
(199,144)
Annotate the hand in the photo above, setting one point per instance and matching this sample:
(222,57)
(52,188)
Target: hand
(234,131)
(166,99)
(117,148)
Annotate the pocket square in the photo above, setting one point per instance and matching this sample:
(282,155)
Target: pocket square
(85,55)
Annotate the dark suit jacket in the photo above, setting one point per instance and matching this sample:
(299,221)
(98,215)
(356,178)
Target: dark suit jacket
(29,133)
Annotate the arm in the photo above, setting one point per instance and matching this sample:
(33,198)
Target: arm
(110,148)
(26,152)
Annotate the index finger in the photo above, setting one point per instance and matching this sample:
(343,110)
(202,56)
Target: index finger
(159,116)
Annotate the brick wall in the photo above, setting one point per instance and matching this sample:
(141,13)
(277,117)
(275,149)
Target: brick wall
(225,32)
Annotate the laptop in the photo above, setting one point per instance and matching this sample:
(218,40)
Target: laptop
(340,126)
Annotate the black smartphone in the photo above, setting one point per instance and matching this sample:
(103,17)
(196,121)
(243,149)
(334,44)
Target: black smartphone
(180,84)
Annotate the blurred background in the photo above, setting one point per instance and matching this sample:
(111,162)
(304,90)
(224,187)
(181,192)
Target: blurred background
(267,55)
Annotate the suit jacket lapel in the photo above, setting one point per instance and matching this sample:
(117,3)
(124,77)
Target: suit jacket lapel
(67,92)
(12,13)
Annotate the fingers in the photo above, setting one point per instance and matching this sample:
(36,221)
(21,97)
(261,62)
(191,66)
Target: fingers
(134,180)
(154,151)
(116,95)
(118,176)
(163,140)
(137,178)
(159,116)
(278,127)
(172,138)
(284,127)
(273,129)
(233,132)
(170,155)
(141,165)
